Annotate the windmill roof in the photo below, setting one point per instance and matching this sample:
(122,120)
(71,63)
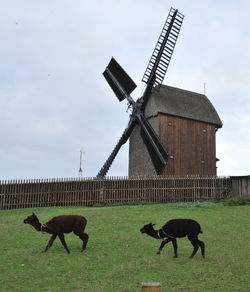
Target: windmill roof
(182,103)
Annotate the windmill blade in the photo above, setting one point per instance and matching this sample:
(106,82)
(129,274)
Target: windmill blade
(164,48)
(160,59)
(118,80)
(156,150)
(123,139)
(122,86)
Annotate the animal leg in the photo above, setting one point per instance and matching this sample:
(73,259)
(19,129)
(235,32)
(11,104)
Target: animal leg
(194,241)
(61,236)
(84,237)
(162,245)
(174,242)
(202,246)
(52,238)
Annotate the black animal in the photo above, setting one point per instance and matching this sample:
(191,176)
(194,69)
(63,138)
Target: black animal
(59,225)
(177,228)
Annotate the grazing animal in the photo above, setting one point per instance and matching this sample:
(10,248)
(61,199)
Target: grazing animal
(59,225)
(177,228)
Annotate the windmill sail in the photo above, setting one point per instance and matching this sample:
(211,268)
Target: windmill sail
(118,80)
(160,59)
(123,139)
(123,85)
(156,150)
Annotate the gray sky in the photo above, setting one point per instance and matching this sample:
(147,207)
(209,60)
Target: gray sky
(53,97)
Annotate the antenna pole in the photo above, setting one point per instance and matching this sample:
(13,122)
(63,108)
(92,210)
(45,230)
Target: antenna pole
(204,88)
(80,168)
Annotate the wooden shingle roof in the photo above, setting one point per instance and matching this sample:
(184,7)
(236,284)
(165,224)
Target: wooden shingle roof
(182,103)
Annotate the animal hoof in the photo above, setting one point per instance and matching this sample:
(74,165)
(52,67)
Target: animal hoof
(158,252)
(175,256)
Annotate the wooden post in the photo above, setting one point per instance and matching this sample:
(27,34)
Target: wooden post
(151,287)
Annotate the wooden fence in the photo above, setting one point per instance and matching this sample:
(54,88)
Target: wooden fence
(240,185)
(92,191)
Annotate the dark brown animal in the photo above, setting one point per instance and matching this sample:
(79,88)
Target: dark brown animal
(59,225)
(177,228)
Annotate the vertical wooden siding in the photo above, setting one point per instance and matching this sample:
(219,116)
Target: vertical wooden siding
(190,145)
(240,185)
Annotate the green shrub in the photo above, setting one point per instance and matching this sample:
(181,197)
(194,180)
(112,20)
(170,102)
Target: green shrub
(196,204)
(237,201)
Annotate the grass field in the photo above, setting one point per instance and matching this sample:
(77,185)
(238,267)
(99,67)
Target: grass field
(118,257)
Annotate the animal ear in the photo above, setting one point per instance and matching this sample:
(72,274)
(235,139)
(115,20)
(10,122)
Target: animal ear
(33,214)
(153,224)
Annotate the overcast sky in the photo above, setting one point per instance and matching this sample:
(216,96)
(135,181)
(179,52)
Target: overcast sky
(54,100)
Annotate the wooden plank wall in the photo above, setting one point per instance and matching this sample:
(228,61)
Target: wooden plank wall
(240,185)
(190,145)
(92,191)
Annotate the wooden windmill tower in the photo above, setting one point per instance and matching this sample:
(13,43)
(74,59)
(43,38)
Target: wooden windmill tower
(153,143)
(186,123)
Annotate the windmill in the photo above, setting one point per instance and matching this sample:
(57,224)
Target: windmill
(123,85)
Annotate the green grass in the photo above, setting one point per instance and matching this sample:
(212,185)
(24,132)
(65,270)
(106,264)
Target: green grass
(118,257)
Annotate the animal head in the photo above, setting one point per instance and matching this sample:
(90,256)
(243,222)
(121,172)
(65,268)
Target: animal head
(32,220)
(147,227)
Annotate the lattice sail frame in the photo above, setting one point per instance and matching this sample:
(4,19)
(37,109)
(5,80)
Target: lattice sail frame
(160,59)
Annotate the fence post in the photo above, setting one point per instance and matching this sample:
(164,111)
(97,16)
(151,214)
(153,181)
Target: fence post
(151,287)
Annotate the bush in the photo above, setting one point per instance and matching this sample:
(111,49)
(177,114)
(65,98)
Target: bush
(196,204)
(237,201)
